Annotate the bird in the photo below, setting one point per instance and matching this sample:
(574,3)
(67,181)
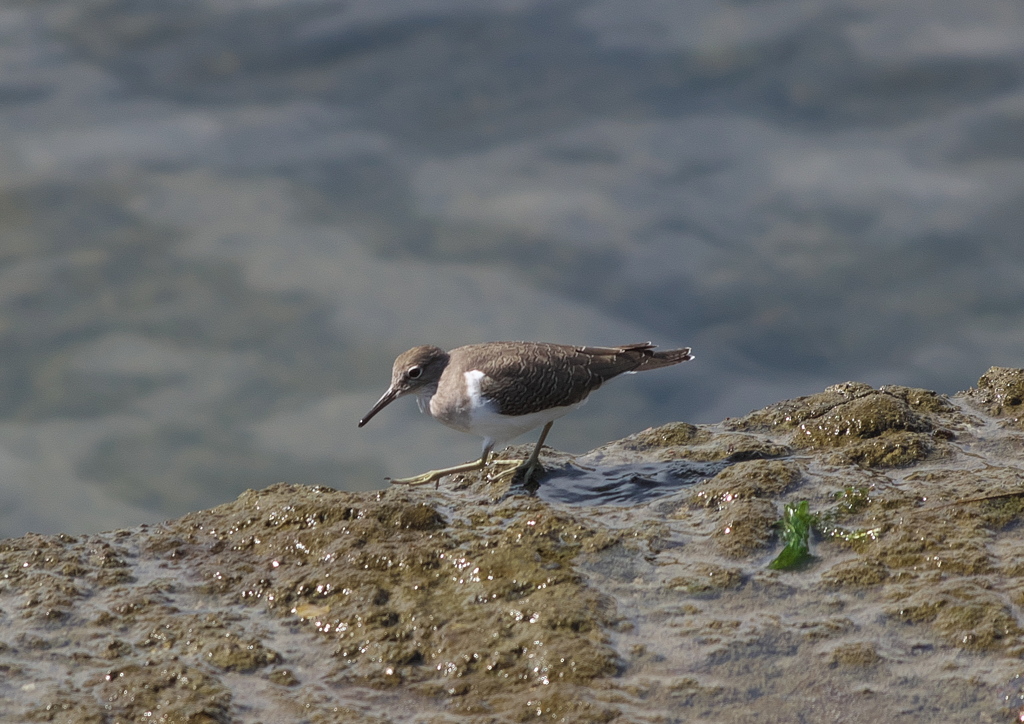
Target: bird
(500,390)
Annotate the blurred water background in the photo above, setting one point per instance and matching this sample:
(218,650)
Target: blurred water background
(220,220)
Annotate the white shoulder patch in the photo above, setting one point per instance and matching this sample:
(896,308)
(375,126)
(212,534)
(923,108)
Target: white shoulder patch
(473,379)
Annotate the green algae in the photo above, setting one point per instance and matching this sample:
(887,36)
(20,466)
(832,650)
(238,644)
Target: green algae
(795,528)
(851,500)
(848,502)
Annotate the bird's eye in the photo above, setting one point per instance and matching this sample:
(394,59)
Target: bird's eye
(414,372)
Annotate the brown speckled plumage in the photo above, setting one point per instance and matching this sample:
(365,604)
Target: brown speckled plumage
(499,390)
(524,377)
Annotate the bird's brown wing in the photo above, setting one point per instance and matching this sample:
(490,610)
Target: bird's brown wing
(521,386)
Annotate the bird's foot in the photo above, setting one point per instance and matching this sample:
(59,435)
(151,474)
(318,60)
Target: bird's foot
(532,468)
(506,462)
(435,475)
(511,467)
(424,479)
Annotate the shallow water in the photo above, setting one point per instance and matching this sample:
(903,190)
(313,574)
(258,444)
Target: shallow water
(625,484)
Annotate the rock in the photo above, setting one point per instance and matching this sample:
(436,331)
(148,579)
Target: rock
(482,602)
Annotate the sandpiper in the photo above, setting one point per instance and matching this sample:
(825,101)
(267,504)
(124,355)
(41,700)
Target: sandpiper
(499,390)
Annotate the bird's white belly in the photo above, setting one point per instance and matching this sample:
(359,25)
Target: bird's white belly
(480,417)
(502,428)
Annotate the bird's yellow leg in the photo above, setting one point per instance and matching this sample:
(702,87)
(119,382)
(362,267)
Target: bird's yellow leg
(435,475)
(532,462)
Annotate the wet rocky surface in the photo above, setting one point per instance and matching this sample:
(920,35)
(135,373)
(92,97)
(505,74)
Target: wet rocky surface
(631,586)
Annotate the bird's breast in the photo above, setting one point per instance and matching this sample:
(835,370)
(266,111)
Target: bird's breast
(457,401)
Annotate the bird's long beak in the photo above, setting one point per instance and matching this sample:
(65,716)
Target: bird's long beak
(379,405)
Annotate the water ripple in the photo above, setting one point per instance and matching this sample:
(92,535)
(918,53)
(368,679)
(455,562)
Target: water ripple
(626,484)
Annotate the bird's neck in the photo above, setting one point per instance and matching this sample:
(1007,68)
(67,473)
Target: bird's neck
(423,398)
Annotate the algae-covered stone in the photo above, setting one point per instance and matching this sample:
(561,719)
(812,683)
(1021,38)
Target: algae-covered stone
(926,401)
(969,616)
(861,654)
(170,690)
(748,479)
(790,413)
(892,427)
(680,440)
(233,653)
(673,434)
(1000,392)
(479,602)
(746,526)
(857,573)
(897,449)
(708,579)
(408,599)
(865,417)
(66,706)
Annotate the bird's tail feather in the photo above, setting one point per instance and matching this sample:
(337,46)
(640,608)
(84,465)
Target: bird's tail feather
(665,358)
(650,360)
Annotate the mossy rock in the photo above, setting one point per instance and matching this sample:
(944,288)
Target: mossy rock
(862,419)
(708,579)
(745,527)
(748,479)
(1000,392)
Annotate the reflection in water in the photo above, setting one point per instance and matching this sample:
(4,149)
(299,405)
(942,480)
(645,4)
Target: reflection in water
(626,484)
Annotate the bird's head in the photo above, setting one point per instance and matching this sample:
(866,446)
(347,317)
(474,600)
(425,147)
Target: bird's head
(414,372)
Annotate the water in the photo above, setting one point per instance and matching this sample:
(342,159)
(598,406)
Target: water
(626,484)
(221,220)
